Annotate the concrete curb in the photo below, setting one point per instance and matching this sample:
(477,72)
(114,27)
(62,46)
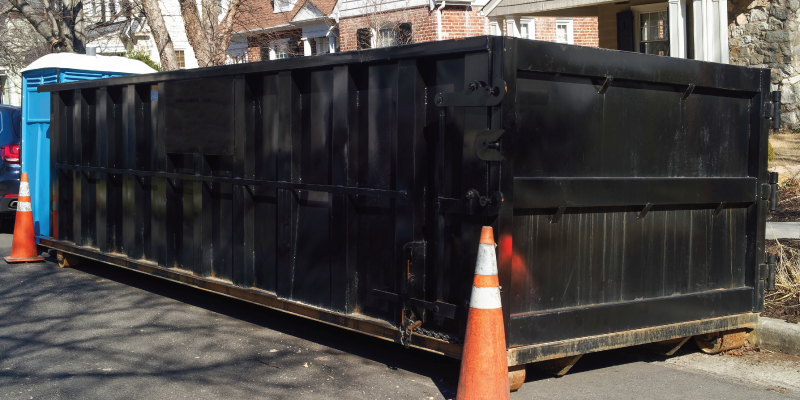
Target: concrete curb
(777,335)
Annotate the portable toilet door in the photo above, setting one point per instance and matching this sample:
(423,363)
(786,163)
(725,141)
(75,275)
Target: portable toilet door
(56,68)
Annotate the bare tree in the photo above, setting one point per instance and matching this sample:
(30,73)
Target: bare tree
(158,29)
(208,34)
(59,22)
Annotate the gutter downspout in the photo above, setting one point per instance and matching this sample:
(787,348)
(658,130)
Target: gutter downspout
(439,20)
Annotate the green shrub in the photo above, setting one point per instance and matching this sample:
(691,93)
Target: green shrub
(144,57)
(770,152)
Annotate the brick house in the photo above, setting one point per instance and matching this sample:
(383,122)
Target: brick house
(310,27)
(364,25)
(274,29)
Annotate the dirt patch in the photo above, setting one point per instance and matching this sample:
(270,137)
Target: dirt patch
(784,302)
(748,348)
(787,309)
(788,201)
(787,165)
(787,149)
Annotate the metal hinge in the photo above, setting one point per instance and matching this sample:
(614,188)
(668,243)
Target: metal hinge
(487,144)
(477,94)
(773,191)
(772,110)
(767,271)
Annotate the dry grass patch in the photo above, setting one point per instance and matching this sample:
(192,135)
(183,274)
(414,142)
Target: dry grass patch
(784,302)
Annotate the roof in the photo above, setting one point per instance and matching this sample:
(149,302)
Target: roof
(90,63)
(495,8)
(256,15)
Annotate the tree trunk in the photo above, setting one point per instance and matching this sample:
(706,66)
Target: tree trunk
(196,32)
(208,36)
(158,29)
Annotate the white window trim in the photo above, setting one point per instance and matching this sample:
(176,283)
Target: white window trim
(570,32)
(637,26)
(273,47)
(184,57)
(494,28)
(282,6)
(531,27)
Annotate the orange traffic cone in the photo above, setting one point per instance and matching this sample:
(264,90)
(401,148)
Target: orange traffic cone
(23,247)
(484,369)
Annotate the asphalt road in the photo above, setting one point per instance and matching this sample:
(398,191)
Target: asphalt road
(96,331)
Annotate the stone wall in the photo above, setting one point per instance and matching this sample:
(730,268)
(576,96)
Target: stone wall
(764,34)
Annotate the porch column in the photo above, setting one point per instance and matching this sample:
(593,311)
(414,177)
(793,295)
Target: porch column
(698,19)
(501,25)
(677,28)
(513,25)
(306,46)
(722,26)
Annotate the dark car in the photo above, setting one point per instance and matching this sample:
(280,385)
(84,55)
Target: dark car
(10,133)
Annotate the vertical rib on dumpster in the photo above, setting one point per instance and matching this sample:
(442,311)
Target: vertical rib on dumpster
(343,134)
(288,171)
(77,176)
(243,167)
(101,154)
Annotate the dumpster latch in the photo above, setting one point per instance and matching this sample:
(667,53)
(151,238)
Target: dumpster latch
(473,203)
(487,144)
(477,94)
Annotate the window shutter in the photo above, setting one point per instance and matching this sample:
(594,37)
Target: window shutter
(404,33)
(363,39)
(625,31)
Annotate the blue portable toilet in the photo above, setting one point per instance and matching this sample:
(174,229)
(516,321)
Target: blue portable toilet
(56,68)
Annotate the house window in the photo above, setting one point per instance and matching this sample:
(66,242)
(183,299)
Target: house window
(323,45)
(527,29)
(564,31)
(494,29)
(387,37)
(654,33)
(281,6)
(281,52)
(179,56)
(652,29)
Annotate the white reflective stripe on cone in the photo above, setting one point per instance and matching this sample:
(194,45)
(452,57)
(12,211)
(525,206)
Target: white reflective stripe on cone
(24,190)
(487,261)
(486,298)
(24,206)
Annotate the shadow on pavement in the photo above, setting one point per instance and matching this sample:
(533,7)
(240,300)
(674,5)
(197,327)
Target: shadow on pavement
(443,371)
(7,224)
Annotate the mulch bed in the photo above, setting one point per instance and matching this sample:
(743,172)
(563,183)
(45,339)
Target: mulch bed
(788,308)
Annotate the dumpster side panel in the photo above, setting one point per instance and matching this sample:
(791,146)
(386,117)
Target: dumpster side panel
(635,213)
(306,184)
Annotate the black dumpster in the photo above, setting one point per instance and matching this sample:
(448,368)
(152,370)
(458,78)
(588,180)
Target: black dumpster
(628,192)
